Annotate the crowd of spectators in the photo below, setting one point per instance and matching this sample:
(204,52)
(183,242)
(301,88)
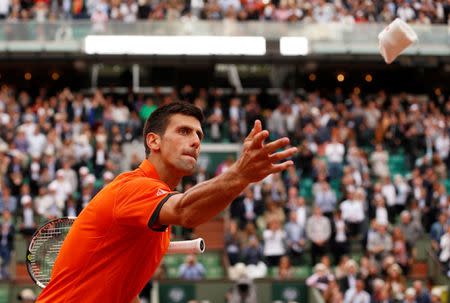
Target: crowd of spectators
(306,11)
(58,150)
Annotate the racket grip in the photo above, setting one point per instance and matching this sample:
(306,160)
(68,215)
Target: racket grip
(196,246)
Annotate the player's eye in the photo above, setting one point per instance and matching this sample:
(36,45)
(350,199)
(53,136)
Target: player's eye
(184,131)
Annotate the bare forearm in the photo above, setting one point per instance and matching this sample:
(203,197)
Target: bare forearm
(205,200)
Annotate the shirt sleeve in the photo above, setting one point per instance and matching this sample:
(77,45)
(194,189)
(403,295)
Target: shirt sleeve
(139,202)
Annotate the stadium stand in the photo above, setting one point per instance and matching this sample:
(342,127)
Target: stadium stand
(366,210)
(321,11)
(394,195)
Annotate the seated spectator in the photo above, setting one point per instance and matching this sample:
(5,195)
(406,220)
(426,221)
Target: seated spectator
(191,269)
(379,160)
(378,286)
(247,209)
(436,295)
(357,294)
(350,278)
(321,277)
(412,230)
(273,211)
(410,295)
(400,250)
(340,270)
(422,294)
(438,230)
(396,282)
(333,293)
(248,233)
(232,243)
(285,270)
(379,242)
(253,252)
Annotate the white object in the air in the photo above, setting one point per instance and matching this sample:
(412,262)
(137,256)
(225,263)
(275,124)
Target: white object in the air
(394,39)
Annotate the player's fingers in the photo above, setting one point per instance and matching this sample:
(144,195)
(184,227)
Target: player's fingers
(273,146)
(257,127)
(283,154)
(259,138)
(276,168)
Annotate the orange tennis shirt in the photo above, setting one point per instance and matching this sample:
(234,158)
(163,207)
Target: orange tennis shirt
(114,246)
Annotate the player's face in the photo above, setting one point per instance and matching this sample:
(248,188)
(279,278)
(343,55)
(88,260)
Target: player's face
(180,144)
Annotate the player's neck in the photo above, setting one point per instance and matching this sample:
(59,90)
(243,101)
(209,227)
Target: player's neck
(165,174)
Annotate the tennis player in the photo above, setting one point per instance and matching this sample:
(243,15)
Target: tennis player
(119,239)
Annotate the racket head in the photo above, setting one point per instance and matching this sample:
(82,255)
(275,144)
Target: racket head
(44,248)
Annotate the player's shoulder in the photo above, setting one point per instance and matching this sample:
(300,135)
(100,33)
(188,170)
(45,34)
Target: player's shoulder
(135,182)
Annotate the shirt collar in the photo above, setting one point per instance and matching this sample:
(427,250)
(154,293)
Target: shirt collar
(148,169)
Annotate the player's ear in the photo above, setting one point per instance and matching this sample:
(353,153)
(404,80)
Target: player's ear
(153,141)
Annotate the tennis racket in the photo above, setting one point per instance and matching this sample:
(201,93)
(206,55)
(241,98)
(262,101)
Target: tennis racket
(47,240)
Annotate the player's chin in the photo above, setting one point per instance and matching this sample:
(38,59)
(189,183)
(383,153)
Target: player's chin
(188,168)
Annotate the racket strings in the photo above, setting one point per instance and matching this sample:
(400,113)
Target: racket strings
(45,249)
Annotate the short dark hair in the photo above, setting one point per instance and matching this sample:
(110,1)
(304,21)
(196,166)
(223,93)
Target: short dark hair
(159,119)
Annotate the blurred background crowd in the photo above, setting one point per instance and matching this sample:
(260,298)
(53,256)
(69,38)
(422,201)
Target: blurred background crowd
(370,179)
(316,11)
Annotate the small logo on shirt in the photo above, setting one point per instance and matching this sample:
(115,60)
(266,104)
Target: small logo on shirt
(161,192)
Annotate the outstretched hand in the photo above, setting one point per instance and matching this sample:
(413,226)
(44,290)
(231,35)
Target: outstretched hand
(258,159)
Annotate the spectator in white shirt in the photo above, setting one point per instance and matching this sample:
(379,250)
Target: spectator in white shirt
(323,12)
(129,11)
(37,142)
(442,144)
(405,12)
(444,244)
(4,8)
(402,193)
(63,189)
(390,195)
(302,212)
(353,212)
(334,151)
(226,4)
(379,160)
(357,294)
(381,213)
(69,174)
(274,242)
(99,18)
(46,205)
(121,115)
